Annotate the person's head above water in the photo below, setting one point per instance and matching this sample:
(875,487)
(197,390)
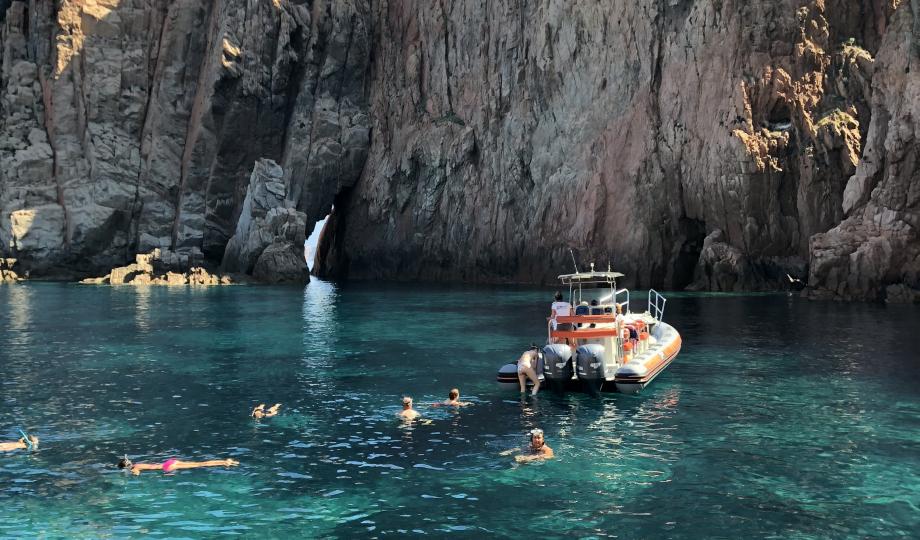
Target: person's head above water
(536,438)
(454,393)
(558,296)
(125,463)
(407,402)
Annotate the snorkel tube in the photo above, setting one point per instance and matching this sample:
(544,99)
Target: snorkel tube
(26,440)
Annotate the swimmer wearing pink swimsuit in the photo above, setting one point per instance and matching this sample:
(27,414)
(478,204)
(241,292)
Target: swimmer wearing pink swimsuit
(168,464)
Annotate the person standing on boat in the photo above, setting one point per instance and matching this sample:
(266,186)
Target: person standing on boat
(527,369)
(408,413)
(560,308)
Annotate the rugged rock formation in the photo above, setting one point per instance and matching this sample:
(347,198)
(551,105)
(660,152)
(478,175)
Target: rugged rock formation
(718,143)
(129,125)
(270,234)
(505,134)
(7,273)
(874,253)
(161,267)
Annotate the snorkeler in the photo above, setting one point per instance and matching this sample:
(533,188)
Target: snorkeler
(538,450)
(260,412)
(453,400)
(408,413)
(172,464)
(26,442)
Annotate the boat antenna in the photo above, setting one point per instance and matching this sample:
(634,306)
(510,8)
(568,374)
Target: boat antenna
(573,260)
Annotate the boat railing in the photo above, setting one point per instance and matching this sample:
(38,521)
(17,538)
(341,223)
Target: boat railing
(656,303)
(624,305)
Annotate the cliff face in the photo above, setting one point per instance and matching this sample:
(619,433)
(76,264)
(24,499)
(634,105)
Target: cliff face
(134,124)
(508,132)
(713,143)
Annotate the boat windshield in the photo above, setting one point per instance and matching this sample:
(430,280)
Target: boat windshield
(594,289)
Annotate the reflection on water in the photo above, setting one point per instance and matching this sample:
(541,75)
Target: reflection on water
(19,313)
(319,316)
(142,306)
(764,426)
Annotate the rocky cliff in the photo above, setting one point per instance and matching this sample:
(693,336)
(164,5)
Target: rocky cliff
(719,144)
(129,125)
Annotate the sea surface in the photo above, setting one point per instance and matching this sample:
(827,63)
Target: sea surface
(781,418)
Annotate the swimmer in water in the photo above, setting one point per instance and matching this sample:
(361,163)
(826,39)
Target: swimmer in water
(260,412)
(171,465)
(453,400)
(408,413)
(537,450)
(26,442)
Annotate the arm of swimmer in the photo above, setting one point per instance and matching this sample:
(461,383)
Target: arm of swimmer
(545,453)
(10,446)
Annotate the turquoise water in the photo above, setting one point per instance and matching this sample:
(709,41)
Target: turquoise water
(781,418)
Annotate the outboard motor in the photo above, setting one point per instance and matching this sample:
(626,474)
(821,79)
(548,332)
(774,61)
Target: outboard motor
(557,366)
(589,361)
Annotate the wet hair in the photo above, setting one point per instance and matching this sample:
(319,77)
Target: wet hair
(534,432)
(534,347)
(124,463)
(407,400)
(558,296)
(454,393)
(594,302)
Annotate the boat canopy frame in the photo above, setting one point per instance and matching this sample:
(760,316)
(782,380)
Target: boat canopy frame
(609,278)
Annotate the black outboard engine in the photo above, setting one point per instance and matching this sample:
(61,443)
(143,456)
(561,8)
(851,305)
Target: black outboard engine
(589,361)
(557,366)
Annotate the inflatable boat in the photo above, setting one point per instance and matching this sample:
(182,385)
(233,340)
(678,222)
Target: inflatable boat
(601,345)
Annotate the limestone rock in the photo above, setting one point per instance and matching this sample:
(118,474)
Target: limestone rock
(160,267)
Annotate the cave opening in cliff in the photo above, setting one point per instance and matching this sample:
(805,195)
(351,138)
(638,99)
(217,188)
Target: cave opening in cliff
(309,245)
(689,254)
(780,116)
